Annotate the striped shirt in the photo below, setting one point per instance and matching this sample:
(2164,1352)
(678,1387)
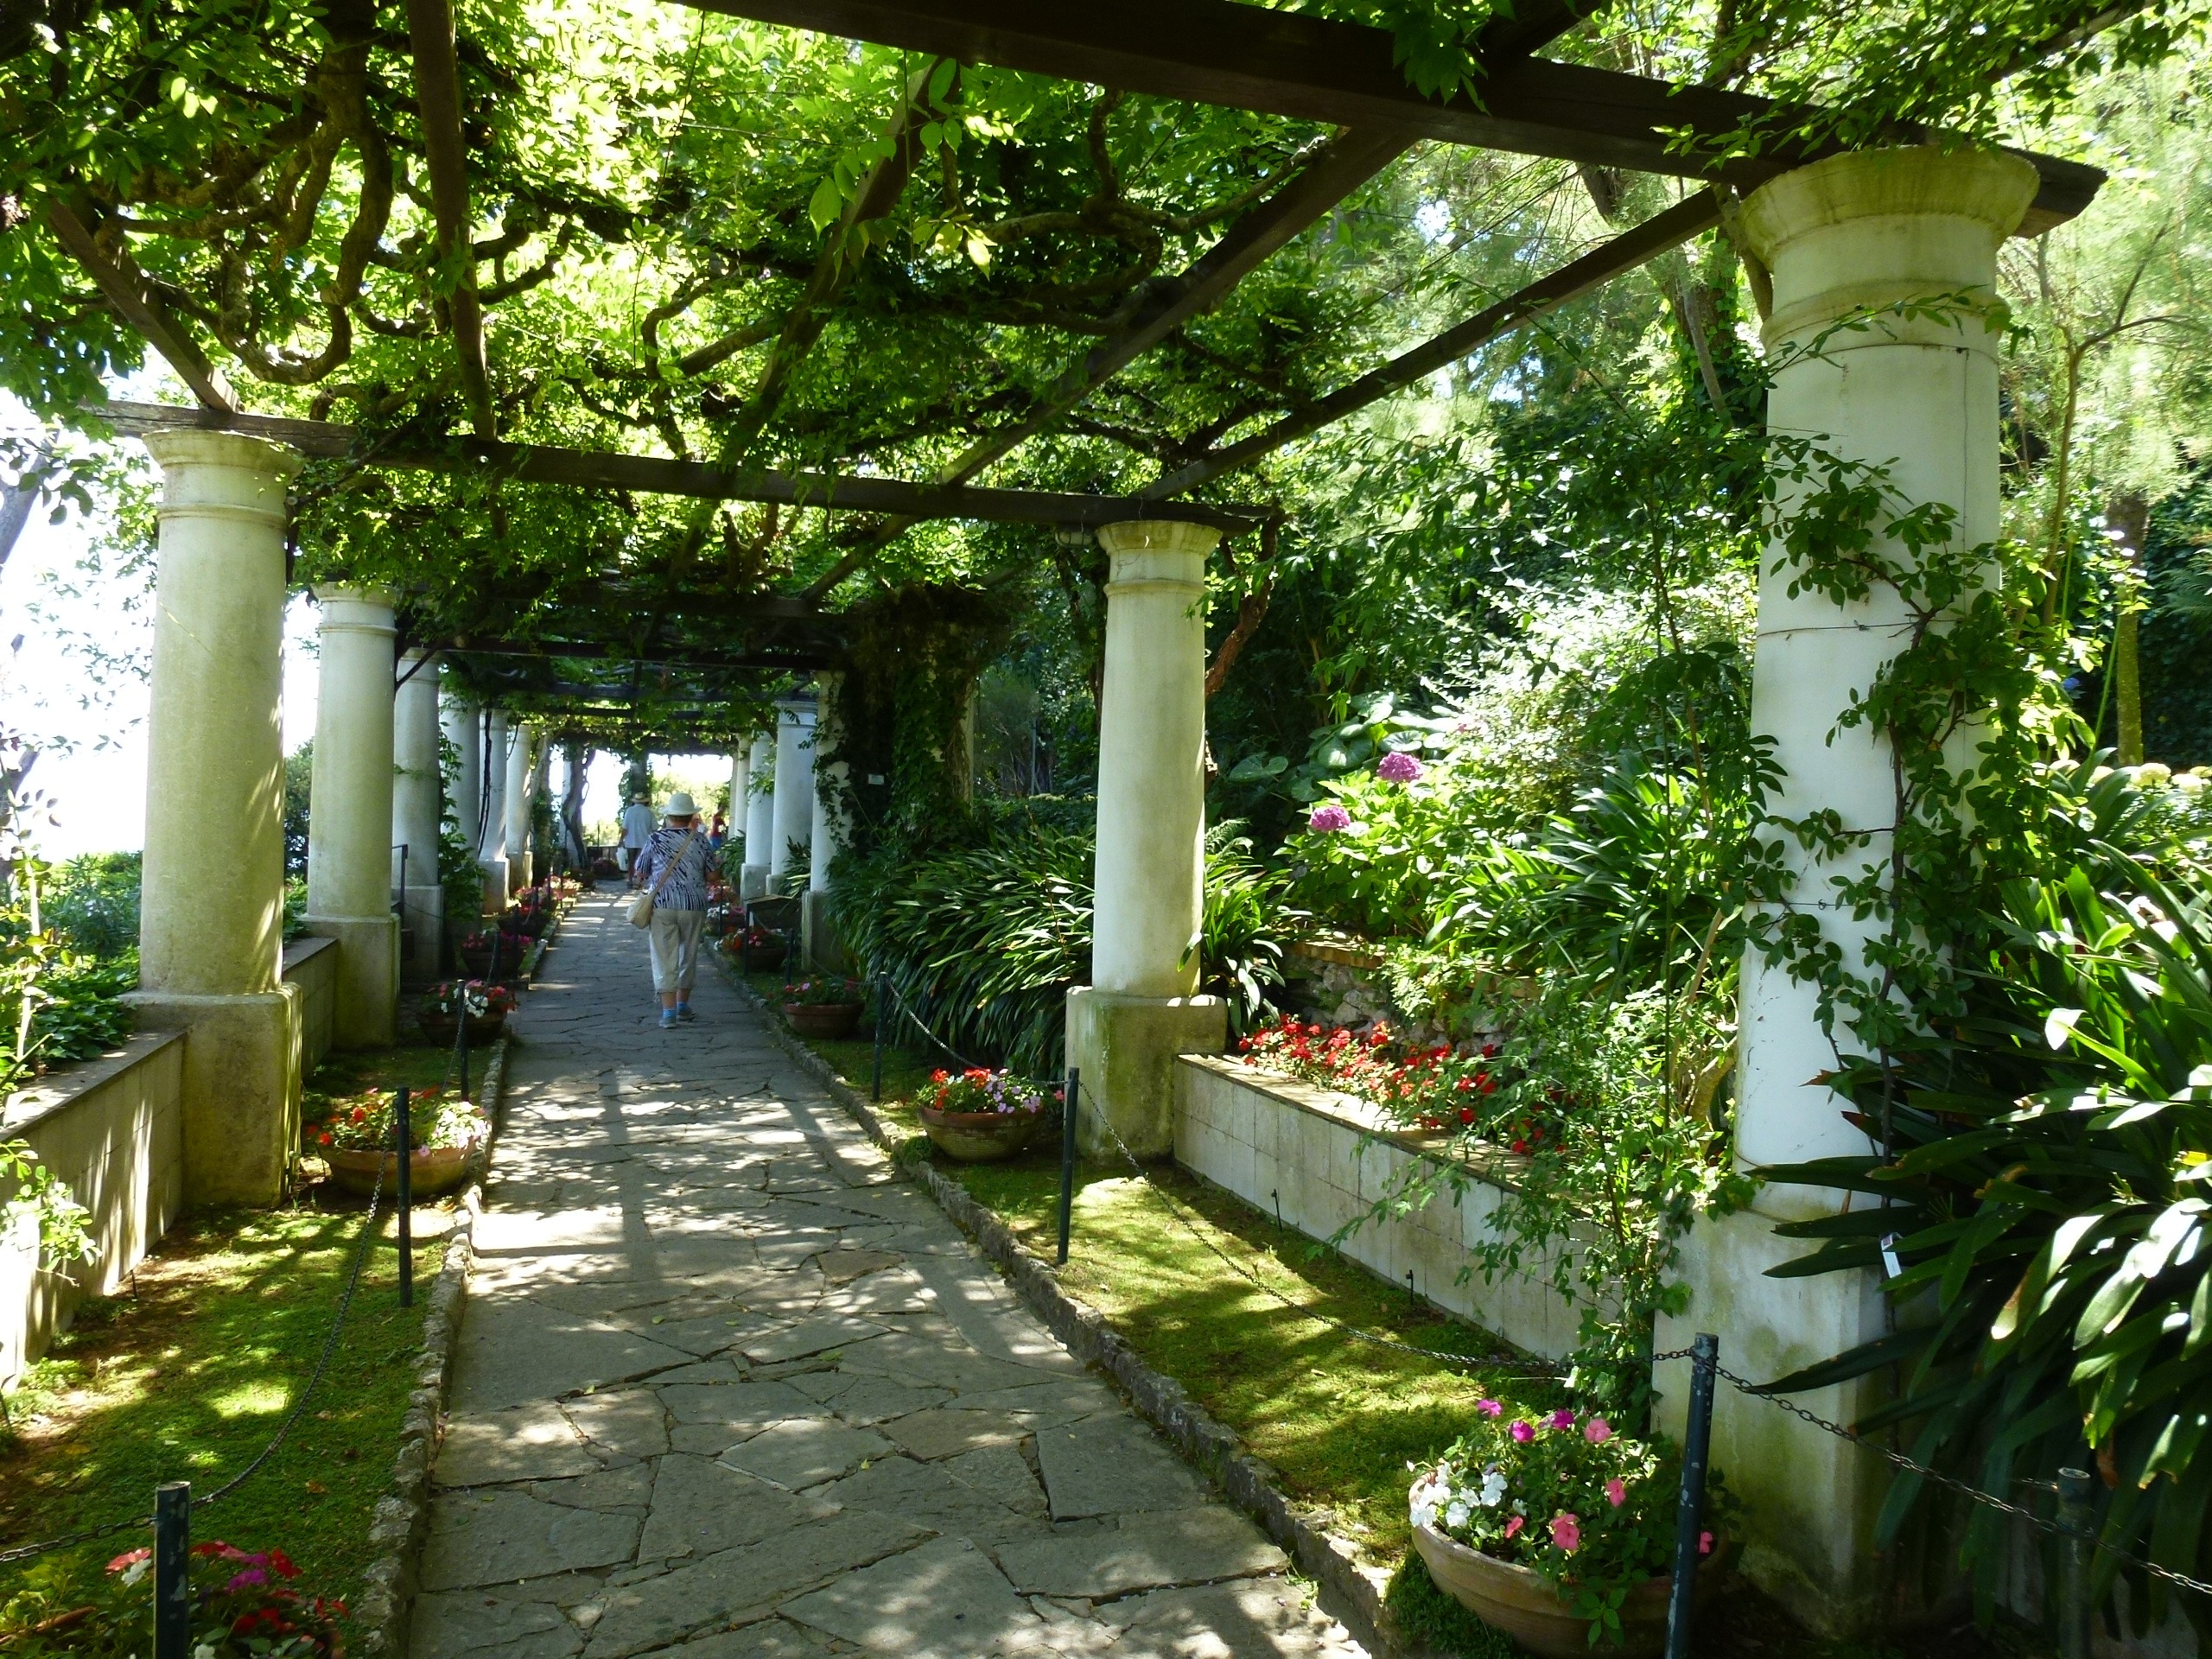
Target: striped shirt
(686,887)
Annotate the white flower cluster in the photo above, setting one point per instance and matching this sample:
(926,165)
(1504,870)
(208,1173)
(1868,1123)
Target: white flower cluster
(1440,1492)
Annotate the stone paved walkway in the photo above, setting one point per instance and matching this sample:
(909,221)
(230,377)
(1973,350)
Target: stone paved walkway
(728,1388)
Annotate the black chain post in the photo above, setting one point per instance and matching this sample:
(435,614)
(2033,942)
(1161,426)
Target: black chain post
(1068,1103)
(402,1139)
(882,1013)
(2077,1516)
(1689,1506)
(173,1570)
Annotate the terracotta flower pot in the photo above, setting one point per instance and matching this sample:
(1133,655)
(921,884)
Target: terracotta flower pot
(432,1169)
(1523,1605)
(442,1027)
(827,1019)
(979,1137)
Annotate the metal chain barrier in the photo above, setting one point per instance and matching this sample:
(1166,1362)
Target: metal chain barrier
(915,1020)
(26,1552)
(1533,1367)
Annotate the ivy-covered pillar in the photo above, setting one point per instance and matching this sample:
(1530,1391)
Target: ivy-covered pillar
(417,800)
(349,829)
(491,851)
(793,815)
(1141,1007)
(760,818)
(211,919)
(463,723)
(522,804)
(827,832)
(1886,350)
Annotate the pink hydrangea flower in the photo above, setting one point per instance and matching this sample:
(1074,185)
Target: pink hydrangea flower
(1330,817)
(1400,767)
(1566,1533)
(1490,1407)
(1596,1431)
(1522,1432)
(1562,1420)
(1616,1492)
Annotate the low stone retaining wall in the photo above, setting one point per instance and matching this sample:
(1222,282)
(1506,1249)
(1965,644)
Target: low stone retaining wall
(1322,1160)
(312,964)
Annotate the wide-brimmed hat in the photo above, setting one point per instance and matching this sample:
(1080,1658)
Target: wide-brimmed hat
(681,805)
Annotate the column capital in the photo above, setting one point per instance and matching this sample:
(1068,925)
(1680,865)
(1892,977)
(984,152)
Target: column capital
(1170,536)
(1858,233)
(346,606)
(222,471)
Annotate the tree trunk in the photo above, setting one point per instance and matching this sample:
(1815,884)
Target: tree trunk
(2128,516)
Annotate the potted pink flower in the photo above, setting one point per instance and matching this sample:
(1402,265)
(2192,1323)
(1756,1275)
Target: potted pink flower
(828,1007)
(980,1116)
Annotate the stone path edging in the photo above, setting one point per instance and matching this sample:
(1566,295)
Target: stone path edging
(402,1516)
(1210,1445)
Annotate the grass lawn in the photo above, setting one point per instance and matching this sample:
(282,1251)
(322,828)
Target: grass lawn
(1337,1418)
(187,1373)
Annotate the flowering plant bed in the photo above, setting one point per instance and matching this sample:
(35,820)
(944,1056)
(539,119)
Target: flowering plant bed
(980,1116)
(243,1607)
(356,1140)
(764,948)
(487,1006)
(1587,1512)
(476,951)
(1429,1087)
(827,1007)
(832,990)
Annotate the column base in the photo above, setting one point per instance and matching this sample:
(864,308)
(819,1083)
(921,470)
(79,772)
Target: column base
(1125,1046)
(241,1090)
(1810,1500)
(751,882)
(366,1011)
(521,872)
(819,947)
(426,918)
(495,884)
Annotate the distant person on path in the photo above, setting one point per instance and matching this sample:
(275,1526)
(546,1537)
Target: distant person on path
(673,867)
(719,834)
(637,830)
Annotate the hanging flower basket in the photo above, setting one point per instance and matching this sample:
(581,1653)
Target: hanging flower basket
(1523,1604)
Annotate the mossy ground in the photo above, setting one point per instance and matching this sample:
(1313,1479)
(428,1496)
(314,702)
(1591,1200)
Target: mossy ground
(187,1373)
(1337,1418)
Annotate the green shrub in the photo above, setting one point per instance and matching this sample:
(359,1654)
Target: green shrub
(92,902)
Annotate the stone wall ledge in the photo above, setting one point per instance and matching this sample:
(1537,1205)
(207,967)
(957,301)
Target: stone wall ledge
(70,1081)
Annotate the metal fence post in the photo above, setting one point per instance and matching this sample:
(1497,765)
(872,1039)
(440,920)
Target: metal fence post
(173,1570)
(882,1000)
(1689,1505)
(1070,1097)
(2077,1515)
(403,1138)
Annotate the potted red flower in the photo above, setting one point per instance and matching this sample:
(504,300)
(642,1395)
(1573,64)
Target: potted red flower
(980,1116)
(355,1139)
(827,1007)
(758,945)
(485,1004)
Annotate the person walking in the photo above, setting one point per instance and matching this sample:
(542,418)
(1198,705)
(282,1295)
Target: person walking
(672,866)
(637,830)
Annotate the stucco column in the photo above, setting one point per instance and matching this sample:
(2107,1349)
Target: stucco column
(759,819)
(741,779)
(827,833)
(793,815)
(417,800)
(1846,240)
(491,851)
(349,830)
(1140,1009)
(463,723)
(522,804)
(212,907)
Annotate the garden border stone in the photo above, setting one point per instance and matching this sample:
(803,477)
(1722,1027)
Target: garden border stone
(1214,1448)
(402,1517)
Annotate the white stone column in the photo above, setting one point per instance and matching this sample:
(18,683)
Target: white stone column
(760,818)
(819,938)
(349,829)
(463,725)
(1140,1009)
(521,803)
(492,854)
(1846,239)
(793,817)
(417,801)
(211,905)
(741,776)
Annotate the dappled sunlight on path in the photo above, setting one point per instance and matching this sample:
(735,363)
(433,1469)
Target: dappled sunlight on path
(727,1383)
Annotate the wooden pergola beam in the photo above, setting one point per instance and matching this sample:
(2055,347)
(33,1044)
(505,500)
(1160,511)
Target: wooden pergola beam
(1319,69)
(141,308)
(655,656)
(654,475)
(1693,216)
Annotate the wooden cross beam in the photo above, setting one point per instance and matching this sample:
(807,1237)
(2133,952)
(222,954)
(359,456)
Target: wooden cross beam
(1318,69)
(657,655)
(656,474)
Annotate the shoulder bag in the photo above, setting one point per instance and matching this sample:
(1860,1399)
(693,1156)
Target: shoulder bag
(641,911)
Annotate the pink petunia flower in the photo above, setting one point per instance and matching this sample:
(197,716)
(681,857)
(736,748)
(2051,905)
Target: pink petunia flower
(1705,1544)
(1567,1532)
(1522,1432)
(247,1579)
(1514,1525)
(1616,1492)
(1562,1420)
(1400,767)
(1330,817)
(1596,1431)
(1490,1407)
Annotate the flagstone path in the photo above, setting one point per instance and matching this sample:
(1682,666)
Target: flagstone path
(729,1389)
